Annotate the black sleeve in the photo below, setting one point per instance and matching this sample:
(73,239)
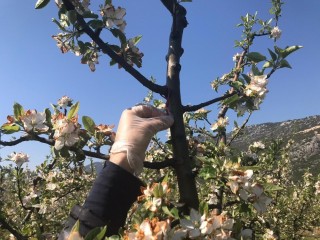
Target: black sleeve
(108,202)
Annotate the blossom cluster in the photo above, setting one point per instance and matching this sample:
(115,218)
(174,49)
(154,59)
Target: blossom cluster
(239,182)
(113,17)
(221,123)
(66,131)
(205,227)
(34,121)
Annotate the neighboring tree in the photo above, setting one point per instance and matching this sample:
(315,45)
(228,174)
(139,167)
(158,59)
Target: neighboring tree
(235,189)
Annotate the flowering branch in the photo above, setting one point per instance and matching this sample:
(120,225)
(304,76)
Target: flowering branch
(190,108)
(51,142)
(162,90)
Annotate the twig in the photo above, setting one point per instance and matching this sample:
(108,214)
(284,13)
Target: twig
(239,129)
(162,90)
(190,108)
(169,162)
(8,227)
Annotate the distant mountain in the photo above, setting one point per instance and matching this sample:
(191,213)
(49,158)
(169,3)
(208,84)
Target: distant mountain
(306,135)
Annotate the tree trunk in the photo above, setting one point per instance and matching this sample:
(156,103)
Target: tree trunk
(186,181)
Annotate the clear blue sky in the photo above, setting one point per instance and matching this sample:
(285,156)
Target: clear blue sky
(34,73)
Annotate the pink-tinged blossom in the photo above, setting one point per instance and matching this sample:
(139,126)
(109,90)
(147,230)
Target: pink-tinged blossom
(64,102)
(150,230)
(34,121)
(19,158)
(66,132)
(276,32)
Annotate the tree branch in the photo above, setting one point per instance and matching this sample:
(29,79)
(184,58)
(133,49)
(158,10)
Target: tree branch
(51,142)
(169,4)
(191,108)
(162,90)
(159,165)
(5,225)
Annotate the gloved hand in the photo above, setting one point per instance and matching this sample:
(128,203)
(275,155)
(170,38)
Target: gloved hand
(136,127)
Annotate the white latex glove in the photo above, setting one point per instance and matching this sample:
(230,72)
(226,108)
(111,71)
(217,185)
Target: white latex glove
(136,127)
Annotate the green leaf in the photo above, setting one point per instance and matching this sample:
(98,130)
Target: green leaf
(17,111)
(166,210)
(273,55)
(48,117)
(72,16)
(73,110)
(10,128)
(284,64)
(246,78)
(41,4)
(278,51)
(112,62)
(256,57)
(96,234)
(95,23)
(115,48)
(271,187)
(88,124)
(267,64)
(255,70)
(58,24)
(136,39)
(231,99)
(89,14)
(289,50)
(118,34)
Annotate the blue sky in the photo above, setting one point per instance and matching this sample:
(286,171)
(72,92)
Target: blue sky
(34,73)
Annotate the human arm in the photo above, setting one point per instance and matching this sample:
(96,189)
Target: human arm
(116,188)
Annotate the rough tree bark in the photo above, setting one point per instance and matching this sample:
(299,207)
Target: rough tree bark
(182,166)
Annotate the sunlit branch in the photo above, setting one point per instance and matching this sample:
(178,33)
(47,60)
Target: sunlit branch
(107,50)
(51,142)
(192,108)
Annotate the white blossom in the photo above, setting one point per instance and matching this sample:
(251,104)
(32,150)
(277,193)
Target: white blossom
(221,123)
(276,32)
(19,158)
(257,86)
(33,120)
(236,57)
(64,102)
(261,200)
(258,145)
(114,17)
(317,186)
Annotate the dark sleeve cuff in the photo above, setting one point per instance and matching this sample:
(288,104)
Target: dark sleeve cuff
(108,202)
